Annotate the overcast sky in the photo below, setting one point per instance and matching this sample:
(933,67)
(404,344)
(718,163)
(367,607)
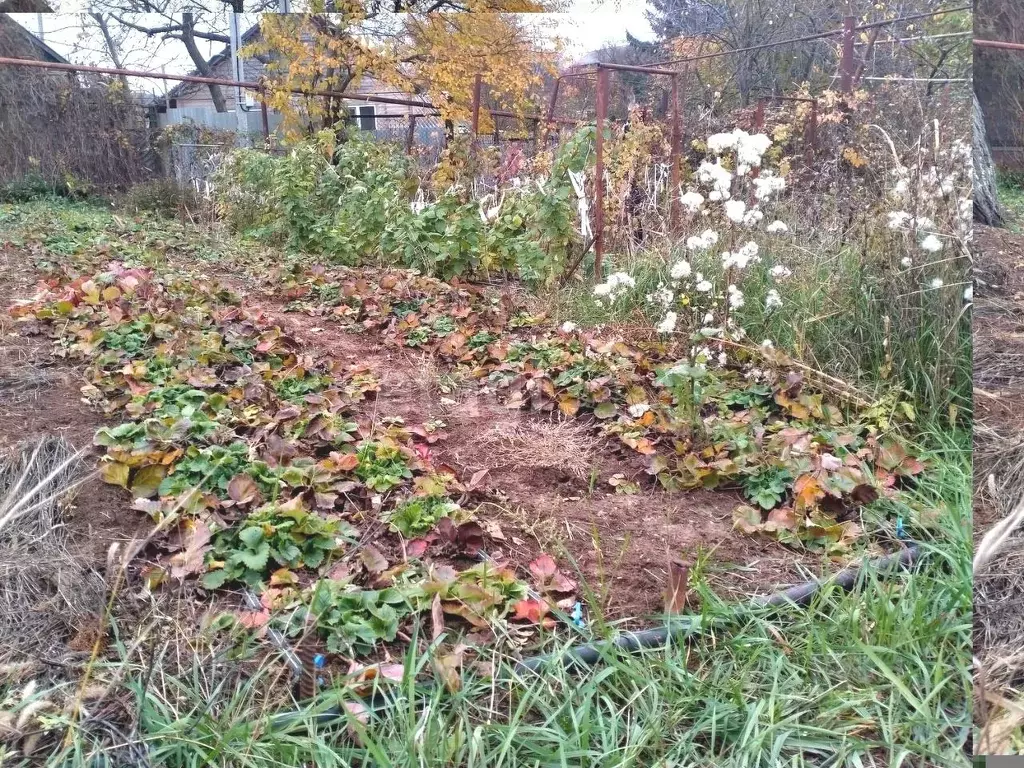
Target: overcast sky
(592,24)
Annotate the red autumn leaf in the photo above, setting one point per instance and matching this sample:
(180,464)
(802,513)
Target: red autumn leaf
(416,547)
(253,619)
(344,462)
(543,568)
(531,610)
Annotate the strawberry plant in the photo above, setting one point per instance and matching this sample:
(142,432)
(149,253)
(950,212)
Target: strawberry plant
(129,338)
(355,620)
(295,388)
(768,487)
(382,465)
(286,535)
(213,467)
(419,514)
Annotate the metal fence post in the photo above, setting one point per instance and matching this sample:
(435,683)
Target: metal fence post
(410,134)
(476,115)
(674,154)
(846,64)
(602,113)
(554,99)
(264,116)
(811,139)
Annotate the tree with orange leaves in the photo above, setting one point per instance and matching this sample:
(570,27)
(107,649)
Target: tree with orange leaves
(433,55)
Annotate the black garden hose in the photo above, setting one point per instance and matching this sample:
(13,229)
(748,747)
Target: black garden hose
(589,654)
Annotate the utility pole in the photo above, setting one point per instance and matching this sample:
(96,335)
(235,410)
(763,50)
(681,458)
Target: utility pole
(237,72)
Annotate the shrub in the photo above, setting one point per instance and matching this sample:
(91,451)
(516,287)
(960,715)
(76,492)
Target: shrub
(161,196)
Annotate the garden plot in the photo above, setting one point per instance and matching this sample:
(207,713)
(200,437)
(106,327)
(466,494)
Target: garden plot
(365,448)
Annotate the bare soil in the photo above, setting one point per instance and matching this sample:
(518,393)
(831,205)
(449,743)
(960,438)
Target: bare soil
(40,394)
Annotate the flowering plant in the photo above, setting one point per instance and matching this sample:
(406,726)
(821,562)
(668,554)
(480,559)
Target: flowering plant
(730,195)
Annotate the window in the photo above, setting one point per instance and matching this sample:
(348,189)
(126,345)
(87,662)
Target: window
(364,117)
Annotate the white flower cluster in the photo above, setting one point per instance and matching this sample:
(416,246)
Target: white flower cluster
(749,148)
(735,297)
(680,270)
(702,242)
(772,300)
(740,258)
(780,272)
(767,185)
(668,323)
(617,284)
(777,228)
(735,209)
(692,201)
(663,296)
(718,178)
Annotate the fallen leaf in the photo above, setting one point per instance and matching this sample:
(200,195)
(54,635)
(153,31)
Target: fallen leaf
(242,489)
(448,668)
(374,561)
(477,479)
(147,480)
(531,609)
(437,618)
(746,519)
(115,473)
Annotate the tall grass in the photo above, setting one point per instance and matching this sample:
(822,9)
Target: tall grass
(851,309)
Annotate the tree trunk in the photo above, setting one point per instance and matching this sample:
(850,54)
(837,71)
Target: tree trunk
(113,49)
(189,39)
(986,203)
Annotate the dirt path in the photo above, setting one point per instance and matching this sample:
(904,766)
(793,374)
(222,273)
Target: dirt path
(39,395)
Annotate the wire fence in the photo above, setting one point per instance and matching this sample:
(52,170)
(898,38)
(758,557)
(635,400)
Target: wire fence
(690,96)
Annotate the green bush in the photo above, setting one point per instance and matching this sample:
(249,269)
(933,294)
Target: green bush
(161,196)
(353,201)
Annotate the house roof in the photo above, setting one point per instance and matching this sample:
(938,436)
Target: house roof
(247,37)
(45,52)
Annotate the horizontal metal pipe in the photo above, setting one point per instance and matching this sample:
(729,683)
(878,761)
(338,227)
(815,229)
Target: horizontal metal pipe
(636,68)
(1006,46)
(809,38)
(358,97)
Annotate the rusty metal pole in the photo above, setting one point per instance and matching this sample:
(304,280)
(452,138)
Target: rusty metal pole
(554,100)
(602,113)
(811,136)
(847,66)
(476,116)
(265,117)
(759,114)
(410,135)
(674,154)
(536,135)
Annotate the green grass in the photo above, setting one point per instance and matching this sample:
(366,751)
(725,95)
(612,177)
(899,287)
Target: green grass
(875,677)
(1010,191)
(854,313)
